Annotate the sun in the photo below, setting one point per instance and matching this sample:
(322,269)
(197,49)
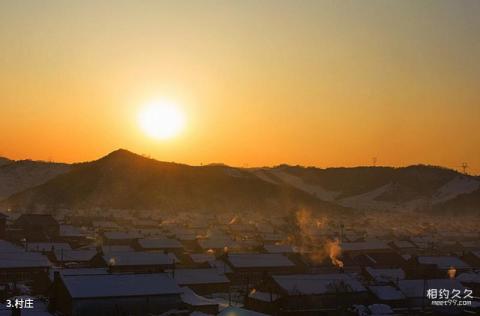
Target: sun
(161,119)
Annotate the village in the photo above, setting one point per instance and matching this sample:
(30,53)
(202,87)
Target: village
(123,262)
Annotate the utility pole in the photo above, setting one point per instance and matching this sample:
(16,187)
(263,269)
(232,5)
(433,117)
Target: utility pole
(464,166)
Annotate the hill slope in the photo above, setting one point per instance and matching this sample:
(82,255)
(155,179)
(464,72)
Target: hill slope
(18,176)
(380,188)
(126,180)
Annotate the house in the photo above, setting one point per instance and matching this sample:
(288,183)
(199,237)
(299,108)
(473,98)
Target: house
(72,235)
(383,276)
(436,266)
(110,294)
(160,244)
(38,227)
(218,244)
(203,281)
(138,262)
(120,238)
(278,248)
(46,247)
(403,247)
(73,258)
(20,266)
(381,260)
(253,267)
(362,247)
(316,293)
(117,248)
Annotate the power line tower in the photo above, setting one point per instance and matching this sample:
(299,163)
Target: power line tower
(374,161)
(464,166)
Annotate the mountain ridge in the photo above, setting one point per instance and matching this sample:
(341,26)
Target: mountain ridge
(125,179)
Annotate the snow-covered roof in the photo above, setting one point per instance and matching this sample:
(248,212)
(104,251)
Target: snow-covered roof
(6,246)
(217,243)
(116,248)
(365,246)
(199,276)
(386,293)
(105,224)
(120,285)
(264,260)
(76,271)
(159,243)
(202,257)
(138,258)
(221,266)
(278,248)
(272,236)
(443,262)
(402,244)
(74,255)
(121,235)
(299,284)
(47,246)
(386,275)
(71,231)
(11,260)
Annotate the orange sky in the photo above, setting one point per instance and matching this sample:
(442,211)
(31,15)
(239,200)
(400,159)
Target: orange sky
(324,83)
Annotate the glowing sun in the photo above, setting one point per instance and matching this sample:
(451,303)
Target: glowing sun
(161,119)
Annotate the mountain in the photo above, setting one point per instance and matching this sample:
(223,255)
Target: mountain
(17,176)
(4,161)
(377,188)
(125,180)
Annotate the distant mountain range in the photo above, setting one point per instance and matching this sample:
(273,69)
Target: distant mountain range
(123,179)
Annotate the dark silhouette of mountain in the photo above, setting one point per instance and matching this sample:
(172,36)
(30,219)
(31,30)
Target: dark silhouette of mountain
(17,176)
(125,180)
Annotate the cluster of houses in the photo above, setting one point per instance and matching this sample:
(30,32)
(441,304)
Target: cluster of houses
(120,262)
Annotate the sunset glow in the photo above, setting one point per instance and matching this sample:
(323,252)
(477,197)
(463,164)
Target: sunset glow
(317,83)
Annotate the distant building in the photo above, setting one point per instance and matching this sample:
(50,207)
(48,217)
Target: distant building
(114,294)
(310,294)
(202,281)
(135,262)
(38,227)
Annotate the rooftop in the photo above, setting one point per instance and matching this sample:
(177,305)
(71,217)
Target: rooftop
(120,285)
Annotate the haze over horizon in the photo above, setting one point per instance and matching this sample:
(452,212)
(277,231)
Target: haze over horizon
(257,83)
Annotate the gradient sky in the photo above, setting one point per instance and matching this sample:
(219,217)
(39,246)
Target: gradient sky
(324,83)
